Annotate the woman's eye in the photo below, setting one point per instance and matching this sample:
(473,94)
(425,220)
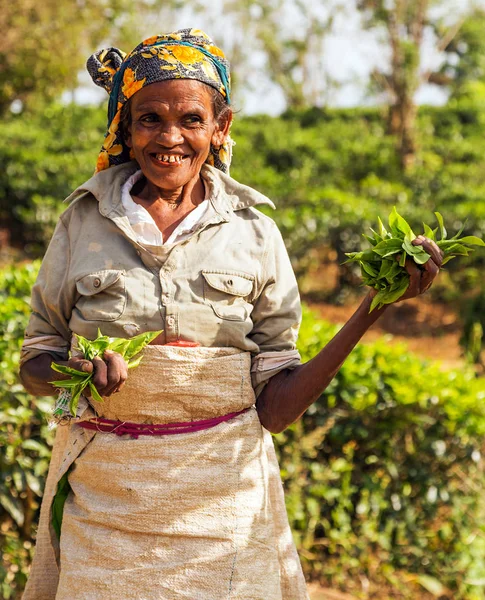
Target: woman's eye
(149,119)
(193,119)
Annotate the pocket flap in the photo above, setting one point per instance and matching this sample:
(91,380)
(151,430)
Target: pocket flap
(230,283)
(97,282)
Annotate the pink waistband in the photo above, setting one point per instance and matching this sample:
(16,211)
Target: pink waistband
(137,429)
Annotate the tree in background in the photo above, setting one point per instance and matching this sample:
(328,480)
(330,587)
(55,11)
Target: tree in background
(41,45)
(464,65)
(404,23)
(44,44)
(291,35)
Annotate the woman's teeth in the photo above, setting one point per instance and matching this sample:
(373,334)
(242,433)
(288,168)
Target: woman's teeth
(169,158)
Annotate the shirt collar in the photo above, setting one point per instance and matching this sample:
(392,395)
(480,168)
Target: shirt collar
(224,192)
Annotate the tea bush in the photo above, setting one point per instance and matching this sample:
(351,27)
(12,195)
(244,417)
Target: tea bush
(25,439)
(384,474)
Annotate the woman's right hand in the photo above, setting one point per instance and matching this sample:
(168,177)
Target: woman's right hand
(109,373)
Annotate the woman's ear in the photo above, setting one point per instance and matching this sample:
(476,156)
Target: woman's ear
(222,128)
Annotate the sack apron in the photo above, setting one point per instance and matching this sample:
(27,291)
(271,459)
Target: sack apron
(197,516)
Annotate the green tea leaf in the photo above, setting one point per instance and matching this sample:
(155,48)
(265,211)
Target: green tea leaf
(447,259)
(462,228)
(421,258)
(457,249)
(472,240)
(94,392)
(399,225)
(428,232)
(65,383)
(372,241)
(382,229)
(65,370)
(368,268)
(389,296)
(442,225)
(387,247)
(119,345)
(76,393)
(84,345)
(135,362)
(386,267)
(139,342)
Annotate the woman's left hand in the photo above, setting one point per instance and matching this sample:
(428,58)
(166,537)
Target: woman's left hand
(421,277)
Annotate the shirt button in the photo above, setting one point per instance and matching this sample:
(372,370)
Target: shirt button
(229,281)
(165,298)
(170,321)
(97,282)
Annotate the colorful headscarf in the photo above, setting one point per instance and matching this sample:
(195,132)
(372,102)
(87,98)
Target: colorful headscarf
(184,54)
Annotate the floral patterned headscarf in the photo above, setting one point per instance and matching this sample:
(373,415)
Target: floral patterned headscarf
(184,54)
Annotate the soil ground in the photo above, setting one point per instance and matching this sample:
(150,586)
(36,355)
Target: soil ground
(429,329)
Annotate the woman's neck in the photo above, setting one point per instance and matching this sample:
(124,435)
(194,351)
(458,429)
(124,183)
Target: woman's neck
(168,208)
(185,198)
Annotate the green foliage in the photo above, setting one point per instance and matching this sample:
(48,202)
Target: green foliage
(44,157)
(473,336)
(25,439)
(383,474)
(383,265)
(48,43)
(465,55)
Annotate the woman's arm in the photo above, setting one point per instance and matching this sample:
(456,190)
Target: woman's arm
(289,393)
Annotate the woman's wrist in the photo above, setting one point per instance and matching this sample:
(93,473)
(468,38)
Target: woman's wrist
(36,374)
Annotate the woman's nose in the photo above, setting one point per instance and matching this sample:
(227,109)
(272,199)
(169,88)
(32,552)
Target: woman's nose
(169,135)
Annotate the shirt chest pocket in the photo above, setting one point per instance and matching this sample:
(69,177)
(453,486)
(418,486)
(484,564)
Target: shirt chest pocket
(103,295)
(227,292)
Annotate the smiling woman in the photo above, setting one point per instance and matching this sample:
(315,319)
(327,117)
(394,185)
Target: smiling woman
(169,487)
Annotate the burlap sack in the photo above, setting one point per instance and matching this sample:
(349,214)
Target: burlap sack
(198,516)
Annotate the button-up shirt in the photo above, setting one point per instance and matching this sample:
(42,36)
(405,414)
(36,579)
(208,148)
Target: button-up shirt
(230,283)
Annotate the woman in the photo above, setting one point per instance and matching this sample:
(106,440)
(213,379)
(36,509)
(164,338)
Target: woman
(162,238)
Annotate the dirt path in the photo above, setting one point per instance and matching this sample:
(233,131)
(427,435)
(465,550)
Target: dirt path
(431,330)
(319,593)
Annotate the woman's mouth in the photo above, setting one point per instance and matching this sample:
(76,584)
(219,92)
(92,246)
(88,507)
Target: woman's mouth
(168,159)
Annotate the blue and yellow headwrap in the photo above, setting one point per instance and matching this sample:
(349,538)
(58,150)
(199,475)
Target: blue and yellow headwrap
(184,54)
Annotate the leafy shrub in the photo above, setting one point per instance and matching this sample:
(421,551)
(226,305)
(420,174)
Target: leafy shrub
(25,439)
(44,157)
(384,475)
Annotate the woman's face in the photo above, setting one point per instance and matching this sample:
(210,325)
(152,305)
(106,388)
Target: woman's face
(172,128)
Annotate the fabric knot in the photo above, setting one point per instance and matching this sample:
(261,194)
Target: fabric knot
(103,66)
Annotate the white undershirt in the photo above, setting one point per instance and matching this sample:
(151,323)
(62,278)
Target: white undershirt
(144,226)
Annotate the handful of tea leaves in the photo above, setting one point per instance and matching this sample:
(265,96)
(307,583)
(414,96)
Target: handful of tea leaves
(128,348)
(382,270)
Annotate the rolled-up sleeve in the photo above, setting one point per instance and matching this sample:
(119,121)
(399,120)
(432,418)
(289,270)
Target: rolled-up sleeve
(51,302)
(276,315)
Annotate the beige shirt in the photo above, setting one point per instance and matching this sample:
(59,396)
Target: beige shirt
(229,284)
